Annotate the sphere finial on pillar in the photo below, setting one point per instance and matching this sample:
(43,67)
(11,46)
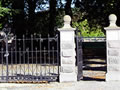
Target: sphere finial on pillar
(67,18)
(112,19)
(67,21)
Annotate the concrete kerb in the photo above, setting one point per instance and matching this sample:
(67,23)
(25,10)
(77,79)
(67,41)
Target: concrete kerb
(81,85)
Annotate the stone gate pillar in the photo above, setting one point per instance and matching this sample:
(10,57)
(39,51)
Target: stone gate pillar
(113,49)
(67,52)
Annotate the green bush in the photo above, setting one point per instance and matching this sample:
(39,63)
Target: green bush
(87,31)
(3,12)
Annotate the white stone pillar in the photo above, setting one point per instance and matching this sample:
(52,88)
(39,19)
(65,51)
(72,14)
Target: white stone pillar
(113,49)
(67,52)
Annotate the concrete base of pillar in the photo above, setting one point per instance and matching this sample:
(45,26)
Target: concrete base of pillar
(113,76)
(68,77)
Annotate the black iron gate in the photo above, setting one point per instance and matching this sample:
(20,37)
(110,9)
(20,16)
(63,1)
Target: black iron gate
(79,56)
(30,59)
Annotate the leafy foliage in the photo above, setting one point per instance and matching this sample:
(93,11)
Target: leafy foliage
(87,31)
(4,11)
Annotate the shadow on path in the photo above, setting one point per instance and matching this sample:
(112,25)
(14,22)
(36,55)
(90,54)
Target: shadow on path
(92,79)
(94,70)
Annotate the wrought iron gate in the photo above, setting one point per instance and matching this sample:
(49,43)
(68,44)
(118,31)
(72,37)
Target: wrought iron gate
(31,59)
(79,56)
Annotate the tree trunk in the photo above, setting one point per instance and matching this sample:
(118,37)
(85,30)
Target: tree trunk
(31,16)
(18,19)
(77,3)
(68,10)
(52,16)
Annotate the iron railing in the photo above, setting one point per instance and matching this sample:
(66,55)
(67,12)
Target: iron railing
(79,56)
(29,59)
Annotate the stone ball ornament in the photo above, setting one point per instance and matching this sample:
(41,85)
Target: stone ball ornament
(67,24)
(67,18)
(112,19)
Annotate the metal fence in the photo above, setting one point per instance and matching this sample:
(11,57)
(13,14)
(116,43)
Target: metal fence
(29,59)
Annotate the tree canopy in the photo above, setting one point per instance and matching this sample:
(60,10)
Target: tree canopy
(3,13)
(43,16)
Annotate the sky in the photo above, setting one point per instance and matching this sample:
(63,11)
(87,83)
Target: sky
(46,6)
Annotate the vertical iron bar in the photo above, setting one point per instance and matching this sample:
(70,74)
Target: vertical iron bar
(49,53)
(57,51)
(20,61)
(16,53)
(28,59)
(40,57)
(81,59)
(24,51)
(45,59)
(32,54)
(36,61)
(6,55)
(77,51)
(2,60)
(53,58)
(12,61)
